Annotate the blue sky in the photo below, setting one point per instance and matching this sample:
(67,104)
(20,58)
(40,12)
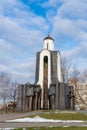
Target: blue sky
(25,23)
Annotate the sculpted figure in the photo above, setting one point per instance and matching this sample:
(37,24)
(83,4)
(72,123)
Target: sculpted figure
(29,90)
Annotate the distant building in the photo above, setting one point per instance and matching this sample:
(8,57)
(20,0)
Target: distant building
(48,91)
(8,107)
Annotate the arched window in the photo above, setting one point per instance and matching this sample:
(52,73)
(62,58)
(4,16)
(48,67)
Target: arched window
(46,69)
(45,83)
(45,59)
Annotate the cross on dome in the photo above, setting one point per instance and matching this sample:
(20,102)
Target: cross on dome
(48,37)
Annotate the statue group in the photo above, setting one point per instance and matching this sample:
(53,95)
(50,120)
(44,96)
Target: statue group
(30,97)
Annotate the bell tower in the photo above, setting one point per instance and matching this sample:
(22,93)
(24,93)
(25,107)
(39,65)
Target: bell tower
(49,43)
(47,68)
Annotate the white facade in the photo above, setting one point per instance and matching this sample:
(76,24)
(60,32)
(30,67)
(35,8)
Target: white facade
(49,44)
(41,67)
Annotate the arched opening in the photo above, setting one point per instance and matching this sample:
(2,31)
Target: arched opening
(45,83)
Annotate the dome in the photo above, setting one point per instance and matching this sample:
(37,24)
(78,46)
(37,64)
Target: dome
(48,37)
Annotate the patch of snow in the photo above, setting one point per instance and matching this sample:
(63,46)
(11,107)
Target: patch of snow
(65,126)
(50,126)
(73,112)
(24,128)
(6,128)
(39,119)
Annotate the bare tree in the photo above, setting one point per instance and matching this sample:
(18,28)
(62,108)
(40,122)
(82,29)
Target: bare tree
(77,80)
(65,68)
(4,86)
(13,91)
(83,87)
(74,78)
(13,94)
(72,75)
(83,77)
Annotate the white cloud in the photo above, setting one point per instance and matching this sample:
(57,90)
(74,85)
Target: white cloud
(79,51)
(21,25)
(22,31)
(70,29)
(74,9)
(7,47)
(20,71)
(14,32)
(3,68)
(53,3)
(78,55)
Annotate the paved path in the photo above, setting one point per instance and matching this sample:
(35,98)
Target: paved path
(11,116)
(4,117)
(23,125)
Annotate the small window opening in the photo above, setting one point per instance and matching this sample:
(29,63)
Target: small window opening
(47,46)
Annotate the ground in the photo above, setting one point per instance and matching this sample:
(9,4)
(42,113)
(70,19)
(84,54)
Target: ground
(4,117)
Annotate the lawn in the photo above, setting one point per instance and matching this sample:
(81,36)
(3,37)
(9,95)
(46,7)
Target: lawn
(57,115)
(63,116)
(54,128)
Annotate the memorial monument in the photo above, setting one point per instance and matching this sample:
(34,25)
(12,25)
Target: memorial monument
(48,91)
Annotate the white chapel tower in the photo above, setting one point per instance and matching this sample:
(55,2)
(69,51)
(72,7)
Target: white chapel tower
(48,91)
(47,67)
